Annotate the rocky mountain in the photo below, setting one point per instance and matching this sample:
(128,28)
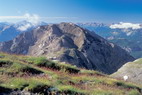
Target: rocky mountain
(72,44)
(9,31)
(129,38)
(132,69)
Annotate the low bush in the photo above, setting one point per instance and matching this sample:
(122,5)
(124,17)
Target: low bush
(69,68)
(43,62)
(19,68)
(39,61)
(4,63)
(128,85)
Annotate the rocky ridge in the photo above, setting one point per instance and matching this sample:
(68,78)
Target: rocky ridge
(72,44)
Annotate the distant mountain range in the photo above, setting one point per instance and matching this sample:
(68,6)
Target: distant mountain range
(67,42)
(129,38)
(9,31)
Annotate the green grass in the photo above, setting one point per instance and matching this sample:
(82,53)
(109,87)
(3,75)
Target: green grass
(42,76)
(19,68)
(15,84)
(43,62)
(39,61)
(127,85)
(102,92)
(70,89)
(134,92)
(92,72)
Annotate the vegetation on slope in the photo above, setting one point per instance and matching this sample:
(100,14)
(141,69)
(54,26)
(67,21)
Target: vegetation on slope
(26,74)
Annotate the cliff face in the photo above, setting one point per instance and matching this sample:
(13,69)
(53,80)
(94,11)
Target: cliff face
(72,44)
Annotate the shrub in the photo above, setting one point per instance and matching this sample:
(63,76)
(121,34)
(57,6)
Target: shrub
(127,85)
(42,61)
(22,68)
(5,63)
(52,65)
(69,68)
(35,86)
(39,61)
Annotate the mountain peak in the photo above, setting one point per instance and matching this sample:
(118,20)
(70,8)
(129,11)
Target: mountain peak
(72,44)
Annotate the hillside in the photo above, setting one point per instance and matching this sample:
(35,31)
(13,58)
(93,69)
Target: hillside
(67,42)
(25,74)
(132,69)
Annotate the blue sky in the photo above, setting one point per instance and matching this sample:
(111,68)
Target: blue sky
(107,11)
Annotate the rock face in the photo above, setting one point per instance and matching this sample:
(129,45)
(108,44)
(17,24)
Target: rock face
(72,44)
(127,38)
(8,32)
(131,69)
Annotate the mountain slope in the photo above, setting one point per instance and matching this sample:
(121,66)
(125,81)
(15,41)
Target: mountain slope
(26,75)
(69,43)
(8,34)
(9,31)
(132,69)
(129,39)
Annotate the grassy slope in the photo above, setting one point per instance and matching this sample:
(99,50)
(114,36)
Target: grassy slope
(38,75)
(138,61)
(132,69)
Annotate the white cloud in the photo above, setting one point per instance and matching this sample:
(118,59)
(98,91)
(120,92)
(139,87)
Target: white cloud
(34,17)
(122,25)
(33,20)
(24,27)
